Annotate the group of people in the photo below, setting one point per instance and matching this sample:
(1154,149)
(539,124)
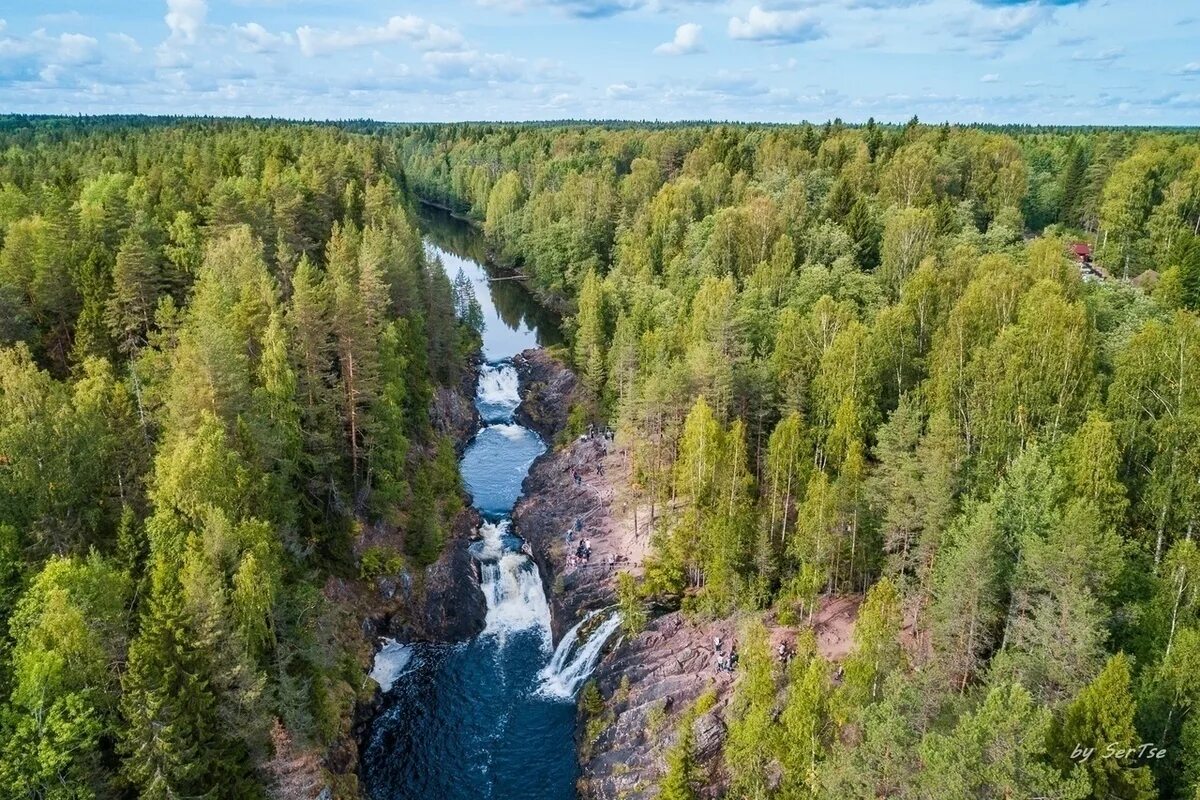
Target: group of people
(607,434)
(726,662)
(614,559)
(577,475)
(583,551)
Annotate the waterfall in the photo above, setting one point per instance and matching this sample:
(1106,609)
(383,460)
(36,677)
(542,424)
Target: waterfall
(497,394)
(511,584)
(391,662)
(573,662)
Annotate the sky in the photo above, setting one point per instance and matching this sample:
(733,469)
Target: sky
(1131,62)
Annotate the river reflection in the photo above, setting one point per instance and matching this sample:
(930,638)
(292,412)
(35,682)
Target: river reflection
(513,318)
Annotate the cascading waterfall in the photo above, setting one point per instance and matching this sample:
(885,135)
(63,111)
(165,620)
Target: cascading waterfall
(497,394)
(511,584)
(510,581)
(489,718)
(573,660)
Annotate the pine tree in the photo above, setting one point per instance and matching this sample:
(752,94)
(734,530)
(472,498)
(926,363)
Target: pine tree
(967,594)
(173,744)
(752,730)
(996,751)
(877,651)
(682,780)
(1101,719)
(276,398)
(312,354)
(864,232)
(137,283)
(805,726)
(1071,185)
(355,317)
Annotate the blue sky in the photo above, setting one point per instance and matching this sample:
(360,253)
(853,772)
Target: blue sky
(1049,61)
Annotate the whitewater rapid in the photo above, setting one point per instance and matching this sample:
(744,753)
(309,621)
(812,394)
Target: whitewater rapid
(494,467)
(575,658)
(490,718)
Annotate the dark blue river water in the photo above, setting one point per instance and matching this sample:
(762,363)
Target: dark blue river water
(493,717)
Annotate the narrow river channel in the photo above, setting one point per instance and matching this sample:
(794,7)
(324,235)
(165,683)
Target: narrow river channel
(492,717)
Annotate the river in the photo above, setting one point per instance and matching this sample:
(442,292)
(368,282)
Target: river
(493,717)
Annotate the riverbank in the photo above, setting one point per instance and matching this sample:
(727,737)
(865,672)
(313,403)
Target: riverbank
(575,493)
(647,682)
(438,603)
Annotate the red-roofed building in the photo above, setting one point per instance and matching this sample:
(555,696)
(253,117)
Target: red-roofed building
(1083,256)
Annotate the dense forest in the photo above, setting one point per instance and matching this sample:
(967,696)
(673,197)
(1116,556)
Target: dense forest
(851,360)
(219,345)
(863,360)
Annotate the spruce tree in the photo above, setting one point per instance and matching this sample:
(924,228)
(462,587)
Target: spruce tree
(1100,721)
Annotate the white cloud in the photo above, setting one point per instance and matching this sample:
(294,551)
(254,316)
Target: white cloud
(409,28)
(1004,24)
(76,48)
(619,91)
(687,40)
(257,39)
(473,64)
(991,77)
(1099,56)
(128,41)
(185,17)
(1191,68)
(776,27)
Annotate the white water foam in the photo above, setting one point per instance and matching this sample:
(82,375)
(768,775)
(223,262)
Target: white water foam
(510,431)
(491,540)
(573,662)
(498,392)
(392,661)
(511,586)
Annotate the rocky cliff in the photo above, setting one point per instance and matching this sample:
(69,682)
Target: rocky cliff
(577,492)
(648,683)
(547,392)
(580,490)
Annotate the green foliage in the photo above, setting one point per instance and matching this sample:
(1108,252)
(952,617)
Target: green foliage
(839,368)
(877,650)
(215,359)
(997,751)
(378,561)
(68,635)
(1101,719)
(683,779)
(632,607)
(590,701)
(834,365)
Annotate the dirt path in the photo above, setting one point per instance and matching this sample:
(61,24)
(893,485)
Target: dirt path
(617,526)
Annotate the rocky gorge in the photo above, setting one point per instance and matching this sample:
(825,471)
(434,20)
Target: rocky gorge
(577,490)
